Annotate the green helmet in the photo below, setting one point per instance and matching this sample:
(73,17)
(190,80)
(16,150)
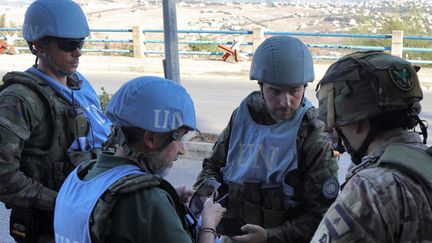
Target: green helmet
(282,61)
(366,85)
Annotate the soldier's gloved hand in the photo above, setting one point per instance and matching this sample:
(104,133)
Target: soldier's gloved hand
(255,234)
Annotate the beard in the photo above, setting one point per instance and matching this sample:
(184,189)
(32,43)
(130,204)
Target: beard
(158,165)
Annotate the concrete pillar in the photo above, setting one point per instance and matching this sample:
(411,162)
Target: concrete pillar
(172,63)
(138,39)
(397,43)
(258,37)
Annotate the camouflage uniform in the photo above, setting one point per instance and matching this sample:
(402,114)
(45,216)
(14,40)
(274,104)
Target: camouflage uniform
(25,125)
(379,204)
(34,140)
(316,165)
(386,197)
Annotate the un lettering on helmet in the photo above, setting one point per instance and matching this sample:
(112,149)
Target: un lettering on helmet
(152,103)
(165,119)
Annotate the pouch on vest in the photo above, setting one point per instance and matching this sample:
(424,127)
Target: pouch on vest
(235,201)
(24,225)
(77,121)
(273,208)
(252,203)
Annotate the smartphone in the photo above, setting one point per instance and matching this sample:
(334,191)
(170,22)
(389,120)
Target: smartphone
(205,190)
(230,227)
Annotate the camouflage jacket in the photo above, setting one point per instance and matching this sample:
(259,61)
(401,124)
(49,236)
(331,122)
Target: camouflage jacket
(379,204)
(33,159)
(316,166)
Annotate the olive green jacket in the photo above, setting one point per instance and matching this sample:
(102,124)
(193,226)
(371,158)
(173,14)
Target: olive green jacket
(316,166)
(146,215)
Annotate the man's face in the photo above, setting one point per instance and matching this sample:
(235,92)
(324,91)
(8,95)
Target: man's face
(65,53)
(163,160)
(282,102)
(356,133)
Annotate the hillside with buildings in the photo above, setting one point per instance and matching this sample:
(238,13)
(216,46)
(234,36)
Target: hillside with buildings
(368,16)
(335,16)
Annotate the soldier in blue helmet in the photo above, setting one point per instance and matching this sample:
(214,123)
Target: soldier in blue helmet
(274,159)
(123,197)
(50,119)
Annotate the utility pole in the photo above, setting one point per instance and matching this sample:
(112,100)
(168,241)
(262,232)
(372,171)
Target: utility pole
(171,61)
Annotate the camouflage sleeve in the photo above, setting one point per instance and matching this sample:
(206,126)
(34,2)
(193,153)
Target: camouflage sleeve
(318,185)
(211,166)
(20,112)
(357,215)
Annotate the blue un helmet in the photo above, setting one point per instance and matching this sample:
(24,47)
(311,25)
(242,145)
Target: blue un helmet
(282,61)
(55,18)
(153,104)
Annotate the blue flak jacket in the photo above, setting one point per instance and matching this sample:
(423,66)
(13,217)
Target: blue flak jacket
(76,200)
(263,153)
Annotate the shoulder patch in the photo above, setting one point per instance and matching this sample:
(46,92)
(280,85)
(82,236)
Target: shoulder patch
(330,188)
(338,222)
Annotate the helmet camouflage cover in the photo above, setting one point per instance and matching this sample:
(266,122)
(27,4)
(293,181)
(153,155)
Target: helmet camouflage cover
(365,85)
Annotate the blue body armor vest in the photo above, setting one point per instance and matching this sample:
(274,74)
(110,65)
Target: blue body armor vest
(76,200)
(263,153)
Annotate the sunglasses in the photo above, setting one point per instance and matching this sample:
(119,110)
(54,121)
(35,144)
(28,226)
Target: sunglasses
(68,45)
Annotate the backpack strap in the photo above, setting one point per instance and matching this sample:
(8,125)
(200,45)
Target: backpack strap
(101,221)
(413,161)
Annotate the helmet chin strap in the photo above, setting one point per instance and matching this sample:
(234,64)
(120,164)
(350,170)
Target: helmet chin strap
(141,158)
(54,67)
(51,64)
(138,157)
(357,155)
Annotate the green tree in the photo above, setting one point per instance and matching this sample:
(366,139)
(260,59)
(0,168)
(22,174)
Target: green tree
(104,98)
(409,24)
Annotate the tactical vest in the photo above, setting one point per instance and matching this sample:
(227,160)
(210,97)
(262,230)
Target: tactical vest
(101,221)
(412,161)
(39,163)
(49,166)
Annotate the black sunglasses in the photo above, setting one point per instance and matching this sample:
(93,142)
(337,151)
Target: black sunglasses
(68,45)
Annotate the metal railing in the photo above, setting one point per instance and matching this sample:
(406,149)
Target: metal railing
(252,40)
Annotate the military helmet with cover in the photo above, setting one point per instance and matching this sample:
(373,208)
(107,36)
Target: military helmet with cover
(153,104)
(373,86)
(54,18)
(282,61)
(365,85)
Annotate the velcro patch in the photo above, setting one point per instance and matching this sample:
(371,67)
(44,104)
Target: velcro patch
(403,79)
(330,188)
(338,222)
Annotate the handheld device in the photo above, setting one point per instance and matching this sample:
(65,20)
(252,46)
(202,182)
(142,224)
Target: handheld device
(204,191)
